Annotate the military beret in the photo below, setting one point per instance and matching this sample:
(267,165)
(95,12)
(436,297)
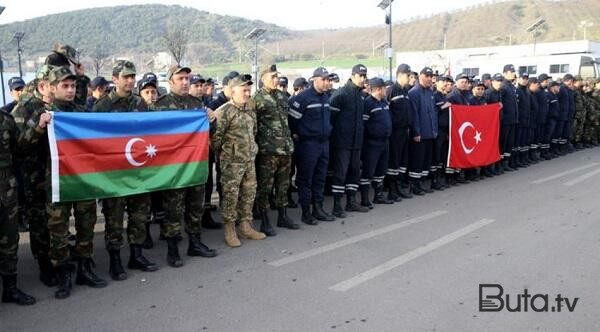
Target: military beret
(67,51)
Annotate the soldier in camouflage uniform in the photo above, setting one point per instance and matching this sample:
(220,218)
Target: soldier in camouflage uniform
(275,149)
(235,147)
(592,123)
(122,99)
(580,112)
(62,87)
(65,55)
(9,231)
(182,204)
(33,166)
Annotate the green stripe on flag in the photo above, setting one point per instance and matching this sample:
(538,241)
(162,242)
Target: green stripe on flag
(132,181)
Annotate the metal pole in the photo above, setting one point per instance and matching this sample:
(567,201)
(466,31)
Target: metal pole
(2,78)
(534,41)
(390,41)
(256,64)
(19,55)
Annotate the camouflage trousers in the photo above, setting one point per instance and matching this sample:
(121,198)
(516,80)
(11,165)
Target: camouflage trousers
(34,208)
(138,207)
(9,229)
(591,132)
(238,182)
(185,205)
(578,126)
(58,227)
(272,173)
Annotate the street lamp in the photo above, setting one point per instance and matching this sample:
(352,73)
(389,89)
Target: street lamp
(533,29)
(585,25)
(18,37)
(255,35)
(389,51)
(2,67)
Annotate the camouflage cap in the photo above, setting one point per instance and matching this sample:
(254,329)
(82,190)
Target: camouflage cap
(176,70)
(268,70)
(43,72)
(124,68)
(67,51)
(58,74)
(241,80)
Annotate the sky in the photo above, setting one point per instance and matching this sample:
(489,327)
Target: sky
(294,14)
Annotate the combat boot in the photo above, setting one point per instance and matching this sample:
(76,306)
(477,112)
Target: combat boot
(250,233)
(208,222)
(291,202)
(364,199)
(284,221)
(320,214)
(148,243)
(265,223)
(173,258)
(338,211)
(230,235)
(394,191)
(436,183)
(47,272)
(380,196)
(352,205)
(197,248)
(416,188)
(115,268)
(137,261)
(64,281)
(307,217)
(86,275)
(11,294)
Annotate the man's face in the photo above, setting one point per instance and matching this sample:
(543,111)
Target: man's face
(270,81)
(241,94)
(209,89)
(378,92)
(196,90)
(523,81)
(321,84)
(425,80)
(554,89)
(534,87)
(412,80)
(496,85)
(44,89)
(180,83)
(359,80)
(448,87)
(478,91)
(487,83)
(510,75)
(16,93)
(124,84)
(100,91)
(440,86)
(462,84)
(544,84)
(569,84)
(282,88)
(403,79)
(64,90)
(149,94)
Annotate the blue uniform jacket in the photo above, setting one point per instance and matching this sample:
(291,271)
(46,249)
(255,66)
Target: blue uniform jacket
(425,117)
(510,113)
(400,106)
(347,110)
(309,115)
(378,119)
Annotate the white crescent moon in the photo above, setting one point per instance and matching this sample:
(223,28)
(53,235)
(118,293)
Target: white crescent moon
(128,152)
(461,130)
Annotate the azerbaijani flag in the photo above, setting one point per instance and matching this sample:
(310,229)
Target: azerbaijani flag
(100,155)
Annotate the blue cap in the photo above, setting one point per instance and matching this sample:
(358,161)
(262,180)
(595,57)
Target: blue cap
(508,68)
(427,71)
(478,83)
(376,82)
(359,69)
(486,76)
(497,77)
(300,82)
(553,83)
(321,72)
(544,77)
(16,83)
(462,76)
(145,82)
(334,77)
(150,76)
(568,77)
(403,69)
(282,81)
(195,78)
(98,81)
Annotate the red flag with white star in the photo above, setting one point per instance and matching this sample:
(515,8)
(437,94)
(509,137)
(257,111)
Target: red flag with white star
(474,135)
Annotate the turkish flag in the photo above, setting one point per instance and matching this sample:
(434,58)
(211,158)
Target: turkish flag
(474,135)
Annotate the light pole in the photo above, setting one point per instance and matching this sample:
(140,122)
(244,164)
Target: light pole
(255,35)
(533,29)
(585,25)
(2,68)
(389,51)
(18,37)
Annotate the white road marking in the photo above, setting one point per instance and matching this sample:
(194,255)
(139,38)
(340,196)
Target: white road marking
(560,175)
(582,177)
(409,256)
(354,239)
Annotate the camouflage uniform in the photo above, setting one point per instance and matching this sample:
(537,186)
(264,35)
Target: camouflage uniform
(235,146)
(181,204)
(81,82)
(580,114)
(592,124)
(9,232)
(138,206)
(275,147)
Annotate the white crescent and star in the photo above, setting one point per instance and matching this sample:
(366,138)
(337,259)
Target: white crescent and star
(477,137)
(150,152)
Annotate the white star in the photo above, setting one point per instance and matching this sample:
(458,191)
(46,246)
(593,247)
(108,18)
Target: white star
(477,137)
(151,150)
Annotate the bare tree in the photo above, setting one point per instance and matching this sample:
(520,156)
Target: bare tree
(177,39)
(99,59)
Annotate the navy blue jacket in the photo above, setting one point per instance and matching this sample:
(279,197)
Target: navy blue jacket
(553,106)
(571,113)
(542,102)
(510,113)
(535,110)
(563,101)
(400,106)
(459,97)
(347,110)
(218,102)
(425,117)
(493,96)
(477,101)
(443,114)
(309,115)
(378,119)
(524,106)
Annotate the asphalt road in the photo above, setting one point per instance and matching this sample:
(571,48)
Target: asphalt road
(412,266)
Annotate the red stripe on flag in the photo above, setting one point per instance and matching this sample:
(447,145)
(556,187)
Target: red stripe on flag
(110,154)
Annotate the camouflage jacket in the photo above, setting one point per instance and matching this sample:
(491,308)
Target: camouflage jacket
(593,114)
(172,101)
(8,141)
(234,136)
(114,103)
(274,136)
(580,104)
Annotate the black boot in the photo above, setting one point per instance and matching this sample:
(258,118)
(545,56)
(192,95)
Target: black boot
(291,202)
(284,221)
(364,199)
(208,221)
(11,294)
(394,190)
(148,243)
(416,187)
(338,211)
(197,248)
(137,261)
(86,275)
(307,218)
(47,273)
(320,214)
(265,223)
(403,188)
(173,258)
(436,183)
(506,165)
(352,205)
(64,281)
(380,196)
(115,269)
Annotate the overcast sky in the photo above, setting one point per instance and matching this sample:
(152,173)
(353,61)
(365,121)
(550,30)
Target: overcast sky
(295,14)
